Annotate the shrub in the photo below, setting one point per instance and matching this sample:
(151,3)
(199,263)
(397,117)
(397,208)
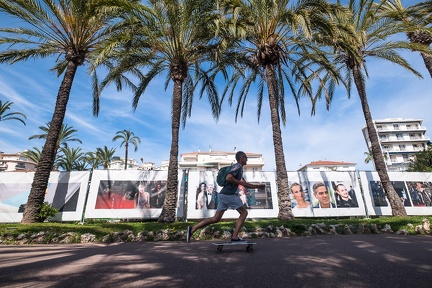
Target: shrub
(47,210)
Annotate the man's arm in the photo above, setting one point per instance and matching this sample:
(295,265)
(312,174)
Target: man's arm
(230,178)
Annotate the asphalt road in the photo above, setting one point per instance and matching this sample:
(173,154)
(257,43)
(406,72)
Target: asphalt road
(318,261)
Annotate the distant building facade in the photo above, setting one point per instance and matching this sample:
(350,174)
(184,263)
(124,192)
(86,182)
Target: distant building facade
(15,162)
(214,160)
(328,166)
(200,161)
(132,164)
(400,139)
(118,164)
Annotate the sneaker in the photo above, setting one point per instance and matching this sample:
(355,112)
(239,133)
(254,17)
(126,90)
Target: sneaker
(188,234)
(237,240)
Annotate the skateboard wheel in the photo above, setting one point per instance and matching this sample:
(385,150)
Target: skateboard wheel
(219,249)
(249,248)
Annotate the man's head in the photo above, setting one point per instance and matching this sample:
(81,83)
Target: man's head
(210,189)
(321,193)
(241,158)
(342,191)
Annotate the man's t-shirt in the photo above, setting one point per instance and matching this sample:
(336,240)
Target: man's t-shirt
(237,172)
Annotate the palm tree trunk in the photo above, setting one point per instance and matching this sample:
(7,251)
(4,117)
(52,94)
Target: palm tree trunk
(169,208)
(126,155)
(285,210)
(47,157)
(423,38)
(428,62)
(396,204)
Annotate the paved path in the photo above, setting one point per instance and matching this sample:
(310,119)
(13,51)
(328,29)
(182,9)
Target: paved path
(318,261)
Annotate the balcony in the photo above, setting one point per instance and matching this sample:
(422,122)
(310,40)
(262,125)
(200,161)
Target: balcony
(417,128)
(3,167)
(422,139)
(401,128)
(398,150)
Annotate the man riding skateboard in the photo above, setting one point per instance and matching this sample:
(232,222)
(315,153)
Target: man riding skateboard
(228,198)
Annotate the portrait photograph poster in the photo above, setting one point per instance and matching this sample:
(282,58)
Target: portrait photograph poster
(66,191)
(203,191)
(133,194)
(126,194)
(331,180)
(413,188)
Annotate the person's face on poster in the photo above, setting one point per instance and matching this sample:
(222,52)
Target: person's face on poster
(141,189)
(203,187)
(322,195)
(342,191)
(297,192)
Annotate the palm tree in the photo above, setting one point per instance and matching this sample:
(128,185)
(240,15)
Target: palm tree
(70,159)
(69,30)
(128,137)
(367,37)
(276,50)
(92,159)
(67,134)
(105,155)
(4,107)
(422,161)
(33,154)
(171,38)
(81,165)
(369,156)
(415,20)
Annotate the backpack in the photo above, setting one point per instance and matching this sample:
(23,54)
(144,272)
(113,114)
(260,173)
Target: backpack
(221,176)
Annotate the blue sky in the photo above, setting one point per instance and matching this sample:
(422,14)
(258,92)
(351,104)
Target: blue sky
(333,135)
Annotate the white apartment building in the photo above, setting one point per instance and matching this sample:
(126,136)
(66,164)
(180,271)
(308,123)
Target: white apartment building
(328,166)
(400,139)
(212,160)
(118,164)
(15,162)
(193,161)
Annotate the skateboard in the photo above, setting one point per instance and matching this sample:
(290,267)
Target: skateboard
(220,245)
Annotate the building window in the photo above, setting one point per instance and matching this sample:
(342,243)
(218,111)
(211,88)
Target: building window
(20,165)
(399,136)
(415,136)
(396,126)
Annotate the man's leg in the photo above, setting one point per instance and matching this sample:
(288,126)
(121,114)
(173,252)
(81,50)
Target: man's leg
(205,222)
(240,221)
